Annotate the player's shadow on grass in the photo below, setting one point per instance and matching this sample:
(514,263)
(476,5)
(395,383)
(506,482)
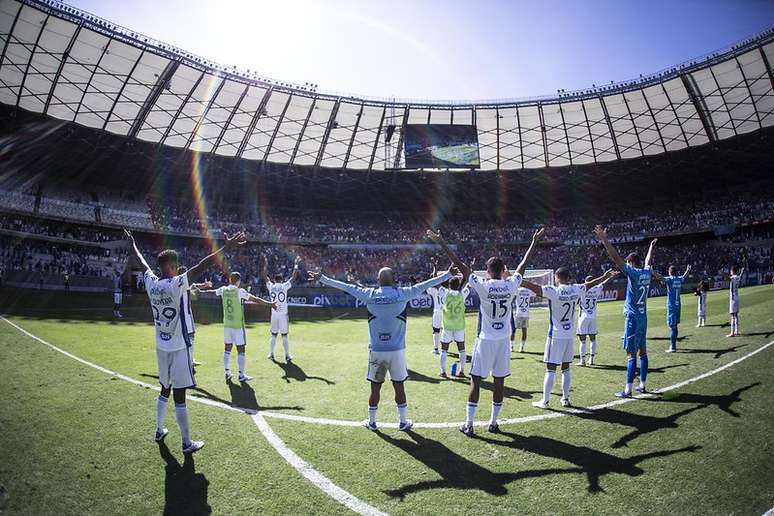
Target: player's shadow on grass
(593,463)
(651,370)
(294,372)
(640,424)
(717,352)
(510,392)
(416,376)
(723,401)
(766,334)
(455,354)
(679,339)
(456,471)
(722,325)
(185,490)
(242,397)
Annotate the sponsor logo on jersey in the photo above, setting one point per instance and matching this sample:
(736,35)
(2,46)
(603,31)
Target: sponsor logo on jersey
(498,326)
(385,336)
(165,336)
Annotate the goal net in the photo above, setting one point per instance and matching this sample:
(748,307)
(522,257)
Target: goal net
(537,276)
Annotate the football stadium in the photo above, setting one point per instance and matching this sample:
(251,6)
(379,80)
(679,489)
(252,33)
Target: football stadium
(223,293)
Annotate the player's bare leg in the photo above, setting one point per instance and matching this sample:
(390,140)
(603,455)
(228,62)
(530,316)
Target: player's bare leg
(497,403)
(523,344)
(227,361)
(436,339)
(470,412)
(373,405)
(404,424)
(444,353)
(548,385)
(241,363)
(463,359)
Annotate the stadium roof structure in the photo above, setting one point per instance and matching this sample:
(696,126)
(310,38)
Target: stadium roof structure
(74,66)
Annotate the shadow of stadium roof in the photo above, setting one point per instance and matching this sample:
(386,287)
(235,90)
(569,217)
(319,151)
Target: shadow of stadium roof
(76,67)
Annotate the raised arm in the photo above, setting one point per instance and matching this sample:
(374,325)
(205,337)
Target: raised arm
(528,255)
(260,301)
(137,250)
(353,290)
(438,239)
(601,234)
(649,256)
(294,276)
(608,275)
(687,272)
(535,288)
(265,269)
(232,242)
(419,288)
(202,287)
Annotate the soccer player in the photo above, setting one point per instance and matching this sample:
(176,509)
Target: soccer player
(733,299)
(674,285)
(234,298)
(387,308)
(117,294)
(491,354)
(701,292)
(188,313)
(172,346)
(587,321)
(453,301)
(435,293)
(562,300)
(635,309)
(278,292)
(521,318)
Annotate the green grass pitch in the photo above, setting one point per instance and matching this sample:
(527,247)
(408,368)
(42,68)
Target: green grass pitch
(74,440)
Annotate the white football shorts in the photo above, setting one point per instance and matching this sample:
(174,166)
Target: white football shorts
(382,362)
(558,350)
(235,336)
(491,357)
(279,323)
(175,368)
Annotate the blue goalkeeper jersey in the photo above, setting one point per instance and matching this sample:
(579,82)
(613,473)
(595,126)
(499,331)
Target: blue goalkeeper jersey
(386,309)
(637,288)
(674,285)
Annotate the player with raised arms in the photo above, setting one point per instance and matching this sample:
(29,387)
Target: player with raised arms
(491,354)
(587,322)
(520,320)
(172,345)
(435,293)
(278,293)
(387,310)
(453,324)
(562,300)
(733,299)
(674,285)
(635,309)
(234,298)
(701,309)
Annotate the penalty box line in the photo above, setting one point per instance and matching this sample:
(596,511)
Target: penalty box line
(300,465)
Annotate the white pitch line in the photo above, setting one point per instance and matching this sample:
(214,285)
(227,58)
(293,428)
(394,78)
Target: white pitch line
(304,468)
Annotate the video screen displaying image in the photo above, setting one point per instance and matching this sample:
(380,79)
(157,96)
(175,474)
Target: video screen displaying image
(441,146)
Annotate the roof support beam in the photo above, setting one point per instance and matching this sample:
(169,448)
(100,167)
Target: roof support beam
(497,135)
(327,133)
(65,57)
(228,120)
(303,130)
(276,129)
(634,125)
(161,82)
(200,121)
(566,136)
(396,161)
(749,92)
(32,56)
(543,134)
(376,140)
(10,34)
(180,108)
(121,90)
(610,127)
(521,141)
(674,110)
(655,122)
(723,98)
(767,65)
(588,127)
(259,112)
(352,137)
(700,106)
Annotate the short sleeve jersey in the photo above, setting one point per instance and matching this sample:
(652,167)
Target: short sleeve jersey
(166,299)
(496,303)
(233,306)
(278,292)
(562,300)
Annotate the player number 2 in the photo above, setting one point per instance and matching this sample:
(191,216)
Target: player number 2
(569,308)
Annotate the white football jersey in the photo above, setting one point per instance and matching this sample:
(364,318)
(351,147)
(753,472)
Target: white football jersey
(588,307)
(521,302)
(436,293)
(496,303)
(166,298)
(733,290)
(278,293)
(188,313)
(562,300)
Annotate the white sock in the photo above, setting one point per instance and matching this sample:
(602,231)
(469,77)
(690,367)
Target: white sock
(593,347)
(181,413)
(272,343)
(548,384)
(436,340)
(286,345)
(582,349)
(463,358)
(628,388)
(241,363)
(161,411)
(402,410)
(372,414)
(495,412)
(470,413)
(227,360)
(443,360)
(566,383)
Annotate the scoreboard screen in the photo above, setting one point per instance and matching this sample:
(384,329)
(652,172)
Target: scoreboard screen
(441,146)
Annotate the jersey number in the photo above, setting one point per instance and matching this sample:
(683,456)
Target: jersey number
(569,309)
(502,305)
(643,295)
(278,297)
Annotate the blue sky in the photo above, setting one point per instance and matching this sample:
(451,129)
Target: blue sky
(440,49)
